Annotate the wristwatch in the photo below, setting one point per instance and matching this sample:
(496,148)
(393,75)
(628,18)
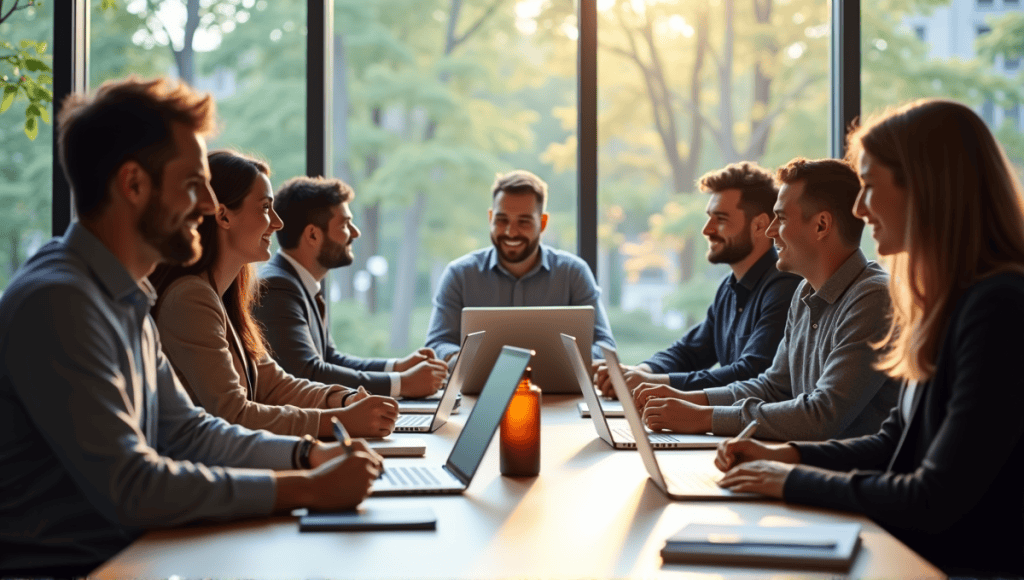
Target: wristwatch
(300,456)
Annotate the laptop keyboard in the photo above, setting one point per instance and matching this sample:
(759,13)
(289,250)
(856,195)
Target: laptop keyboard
(414,420)
(694,482)
(411,476)
(624,434)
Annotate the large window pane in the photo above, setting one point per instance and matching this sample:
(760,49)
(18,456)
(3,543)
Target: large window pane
(26,164)
(962,49)
(684,88)
(432,98)
(251,54)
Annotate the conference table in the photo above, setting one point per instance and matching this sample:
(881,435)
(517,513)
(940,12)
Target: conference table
(591,513)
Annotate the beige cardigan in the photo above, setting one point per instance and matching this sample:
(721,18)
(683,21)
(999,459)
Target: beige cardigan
(196,337)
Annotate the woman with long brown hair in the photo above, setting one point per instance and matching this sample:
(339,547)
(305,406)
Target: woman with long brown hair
(204,315)
(945,474)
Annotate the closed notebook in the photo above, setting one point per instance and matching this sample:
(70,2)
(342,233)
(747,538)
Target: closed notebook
(370,519)
(831,546)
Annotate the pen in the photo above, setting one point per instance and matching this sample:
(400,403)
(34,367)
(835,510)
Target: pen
(747,431)
(342,436)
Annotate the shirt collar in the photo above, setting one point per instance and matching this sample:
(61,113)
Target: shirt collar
(109,271)
(492,263)
(851,269)
(312,286)
(760,267)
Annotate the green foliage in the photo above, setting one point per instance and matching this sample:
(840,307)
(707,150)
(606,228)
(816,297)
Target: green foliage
(26,75)
(1006,38)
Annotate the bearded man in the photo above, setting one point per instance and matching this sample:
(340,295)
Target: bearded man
(317,237)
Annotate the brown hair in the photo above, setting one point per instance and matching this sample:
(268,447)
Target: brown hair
(965,220)
(758,192)
(829,185)
(521,181)
(126,120)
(232,175)
(307,200)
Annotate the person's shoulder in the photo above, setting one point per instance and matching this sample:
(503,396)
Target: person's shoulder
(566,259)
(874,279)
(477,259)
(53,268)
(1006,287)
(191,288)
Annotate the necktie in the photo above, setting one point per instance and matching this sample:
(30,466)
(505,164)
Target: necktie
(321,305)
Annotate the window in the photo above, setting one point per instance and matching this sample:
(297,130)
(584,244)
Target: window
(423,122)
(985,4)
(920,33)
(26,165)
(668,114)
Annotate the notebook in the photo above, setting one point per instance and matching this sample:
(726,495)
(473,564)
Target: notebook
(617,433)
(457,473)
(831,546)
(367,519)
(701,484)
(534,328)
(431,423)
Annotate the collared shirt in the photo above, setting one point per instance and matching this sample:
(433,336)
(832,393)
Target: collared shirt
(478,279)
(99,440)
(822,383)
(741,332)
(313,287)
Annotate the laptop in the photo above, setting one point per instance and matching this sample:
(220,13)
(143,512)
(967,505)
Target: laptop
(696,484)
(617,433)
(457,473)
(431,423)
(534,328)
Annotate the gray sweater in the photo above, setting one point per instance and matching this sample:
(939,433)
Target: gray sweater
(822,383)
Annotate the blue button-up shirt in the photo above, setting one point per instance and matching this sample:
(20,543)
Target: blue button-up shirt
(479,280)
(98,439)
(741,332)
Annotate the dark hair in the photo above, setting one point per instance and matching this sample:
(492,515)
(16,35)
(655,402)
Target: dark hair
(758,191)
(307,200)
(232,175)
(521,181)
(126,120)
(829,185)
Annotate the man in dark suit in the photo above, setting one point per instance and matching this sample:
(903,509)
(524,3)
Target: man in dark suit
(317,237)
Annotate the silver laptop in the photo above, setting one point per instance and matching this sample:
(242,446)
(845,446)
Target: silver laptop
(698,484)
(617,433)
(534,328)
(457,473)
(431,423)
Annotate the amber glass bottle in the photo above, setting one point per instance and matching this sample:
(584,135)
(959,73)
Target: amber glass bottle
(520,431)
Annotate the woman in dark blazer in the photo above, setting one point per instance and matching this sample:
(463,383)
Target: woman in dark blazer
(945,474)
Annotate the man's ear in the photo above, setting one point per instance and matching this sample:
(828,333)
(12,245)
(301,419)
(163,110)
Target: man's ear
(823,224)
(311,234)
(543,222)
(133,184)
(490,215)
(760,223)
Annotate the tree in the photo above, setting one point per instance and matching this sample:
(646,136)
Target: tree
(25,72)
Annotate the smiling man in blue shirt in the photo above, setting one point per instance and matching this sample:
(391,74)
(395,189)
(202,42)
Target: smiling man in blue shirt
(517,271)
(747,319)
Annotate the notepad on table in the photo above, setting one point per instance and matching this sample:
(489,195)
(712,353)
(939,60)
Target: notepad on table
(816,546)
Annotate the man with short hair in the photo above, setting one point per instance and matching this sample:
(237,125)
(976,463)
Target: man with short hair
(316,237)
(517,271)
(822,383)
(747,319)
(99,440)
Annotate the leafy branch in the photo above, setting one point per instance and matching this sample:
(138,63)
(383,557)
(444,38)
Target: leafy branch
(25,71)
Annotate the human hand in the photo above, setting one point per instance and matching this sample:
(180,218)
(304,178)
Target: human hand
(324,452)
(342,483)
(733,452)
(761,476)
(641,374)
(602,382)
(677,416)
(414,358)
(424,379)
(370,416)
(648,391)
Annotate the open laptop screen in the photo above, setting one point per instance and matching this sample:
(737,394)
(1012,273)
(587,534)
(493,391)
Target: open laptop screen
(487,412)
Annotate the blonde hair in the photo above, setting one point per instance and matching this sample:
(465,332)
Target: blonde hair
(965,220)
